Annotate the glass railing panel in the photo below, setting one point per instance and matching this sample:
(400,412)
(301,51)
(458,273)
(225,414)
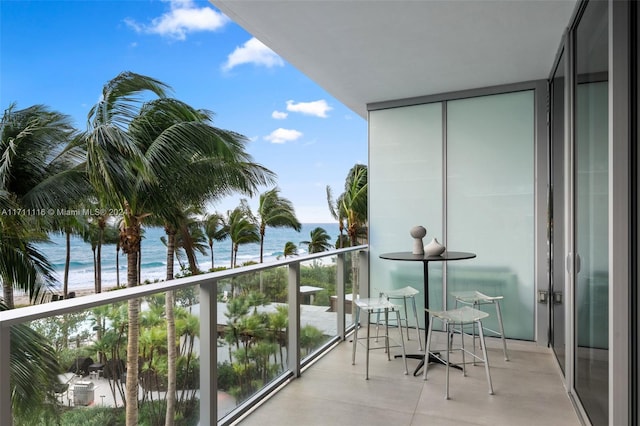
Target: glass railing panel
(90,334)
(318,310)
(252,334)
(79,370)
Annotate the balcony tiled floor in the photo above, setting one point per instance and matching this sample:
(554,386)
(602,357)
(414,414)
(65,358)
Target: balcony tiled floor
(528,391)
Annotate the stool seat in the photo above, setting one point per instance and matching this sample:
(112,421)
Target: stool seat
(407,291)
(476,299)
(452,318)
(464,315)
(375,304)
(405,294)
(474,296)
(379,305)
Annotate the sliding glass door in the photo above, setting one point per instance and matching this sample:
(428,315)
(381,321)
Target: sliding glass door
(556,213)
(590,216)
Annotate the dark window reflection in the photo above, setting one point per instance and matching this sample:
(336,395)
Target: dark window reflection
(591,212)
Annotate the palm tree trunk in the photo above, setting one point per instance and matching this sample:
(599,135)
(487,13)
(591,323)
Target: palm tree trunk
(99,265)
(235,255)
(171,244)
(211,249)
(261,244)
(118,264)
(187,243)
(232,259)
(130,242)
(7,293)
(139,268)
(132,344)
(67,262)
(172,357)
(95,270)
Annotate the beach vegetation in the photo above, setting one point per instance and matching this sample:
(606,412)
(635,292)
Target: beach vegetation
(214,229)
(144,157)
(351,206)
(318,242)
(151,160)
(34,375)
(257,340)
(37,172)
(67,225)
(241,228)
(339,215)
(290,249)
(276,212)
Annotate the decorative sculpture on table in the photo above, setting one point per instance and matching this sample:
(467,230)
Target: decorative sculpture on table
(434,248)
(418,232)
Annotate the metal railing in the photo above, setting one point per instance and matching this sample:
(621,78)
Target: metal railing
(208,315)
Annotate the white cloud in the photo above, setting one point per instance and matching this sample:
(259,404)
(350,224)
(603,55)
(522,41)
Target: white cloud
(253,52)
(183,18)
(279,115)
(316,108)
(283,135)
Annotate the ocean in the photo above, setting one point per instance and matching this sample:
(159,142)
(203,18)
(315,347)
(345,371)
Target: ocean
(154,255)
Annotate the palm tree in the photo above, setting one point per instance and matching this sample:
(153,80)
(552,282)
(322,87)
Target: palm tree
(97,233)
(39,172)
(278,322)
(290,249)
(22,265)
(184,236)
(337,214)
(34,375)
(242,230)
(214,230)
(217,170)
(41,159)
(68,226)
(90,235)
(276,212)
(111,236)
(319,241)
(352,204)
(144,158)
(100,218)
(120,171)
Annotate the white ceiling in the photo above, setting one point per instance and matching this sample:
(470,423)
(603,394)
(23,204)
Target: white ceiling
(365,51)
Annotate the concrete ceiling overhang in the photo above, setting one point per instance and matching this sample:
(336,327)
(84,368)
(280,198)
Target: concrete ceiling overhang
(368,51)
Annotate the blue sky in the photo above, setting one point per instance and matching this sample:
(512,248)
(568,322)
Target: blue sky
(61,53)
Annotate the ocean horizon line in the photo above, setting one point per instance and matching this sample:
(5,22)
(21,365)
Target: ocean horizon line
(81,272)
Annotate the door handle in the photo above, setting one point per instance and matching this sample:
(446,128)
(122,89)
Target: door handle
(569,263)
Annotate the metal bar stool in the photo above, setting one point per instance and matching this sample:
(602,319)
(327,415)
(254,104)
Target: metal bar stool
(377,306)
(405,294)
(452,318)
(476,299)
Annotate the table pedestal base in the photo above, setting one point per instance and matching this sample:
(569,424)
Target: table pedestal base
(432,359)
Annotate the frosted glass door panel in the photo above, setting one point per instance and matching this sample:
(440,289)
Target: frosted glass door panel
(490,196)
(405,190)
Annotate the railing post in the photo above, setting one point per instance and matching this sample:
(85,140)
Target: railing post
(363,273)
(340,296)
(208,353)
(6,416)
(293,346)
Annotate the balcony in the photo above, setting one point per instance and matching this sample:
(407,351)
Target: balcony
(528,391)
(307,358)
